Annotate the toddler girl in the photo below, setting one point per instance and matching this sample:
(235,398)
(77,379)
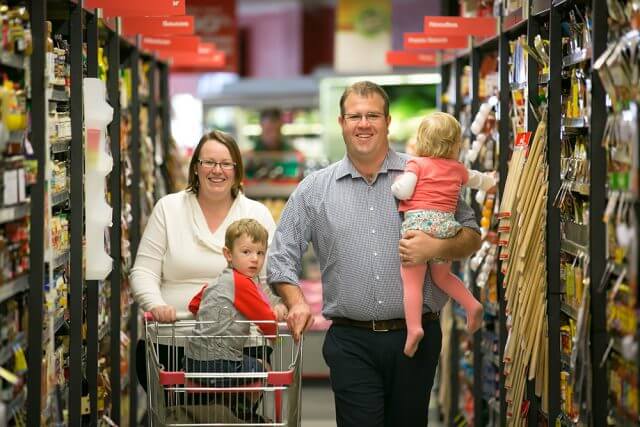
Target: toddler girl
(428,193)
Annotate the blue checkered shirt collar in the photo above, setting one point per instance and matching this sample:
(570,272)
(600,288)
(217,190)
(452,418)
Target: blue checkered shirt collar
(391,162)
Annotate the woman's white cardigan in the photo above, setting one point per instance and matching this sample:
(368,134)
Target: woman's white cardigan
(178,254)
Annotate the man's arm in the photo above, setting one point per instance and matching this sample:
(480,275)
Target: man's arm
(299,318)
(418,247)
(284,262)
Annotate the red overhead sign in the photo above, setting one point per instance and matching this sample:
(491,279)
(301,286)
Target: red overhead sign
(177,43)
(194,61)
(138,7)
(425,41)
(158,26)
(216,22)
(400,58)
(206,48)
(459,26)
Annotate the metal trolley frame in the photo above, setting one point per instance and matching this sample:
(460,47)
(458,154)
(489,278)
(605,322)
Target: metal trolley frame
(181,393)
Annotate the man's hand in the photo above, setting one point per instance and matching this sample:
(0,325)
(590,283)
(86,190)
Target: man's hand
(280,311)
(299,319)
(164,314)
(418,248)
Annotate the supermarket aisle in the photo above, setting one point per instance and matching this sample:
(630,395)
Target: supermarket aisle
(318,408)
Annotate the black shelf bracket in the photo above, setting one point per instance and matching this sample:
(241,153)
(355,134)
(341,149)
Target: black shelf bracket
(134,232)
(38,13)
(504,133)
(597,229)
(115,187)
(76,224)
(553,214)
(474,60)
(92,285)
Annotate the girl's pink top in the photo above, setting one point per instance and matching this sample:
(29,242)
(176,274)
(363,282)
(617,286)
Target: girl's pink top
(438,185)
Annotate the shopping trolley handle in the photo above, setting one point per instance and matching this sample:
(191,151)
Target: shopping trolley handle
(148,316)
(297,355)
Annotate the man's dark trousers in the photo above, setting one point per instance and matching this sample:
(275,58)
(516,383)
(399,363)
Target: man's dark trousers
(374,383)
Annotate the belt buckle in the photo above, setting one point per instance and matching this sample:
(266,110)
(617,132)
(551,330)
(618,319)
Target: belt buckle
(376,329)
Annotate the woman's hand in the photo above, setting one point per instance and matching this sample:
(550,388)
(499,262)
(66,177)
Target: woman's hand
(280,311)
(164,313)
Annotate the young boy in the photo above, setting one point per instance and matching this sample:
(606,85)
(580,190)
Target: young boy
(222,306)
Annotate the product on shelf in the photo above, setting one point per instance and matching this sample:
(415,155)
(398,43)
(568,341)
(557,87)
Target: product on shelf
(522,233)
(617,68)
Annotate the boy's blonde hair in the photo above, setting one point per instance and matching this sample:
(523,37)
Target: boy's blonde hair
(438,135)
(252,228)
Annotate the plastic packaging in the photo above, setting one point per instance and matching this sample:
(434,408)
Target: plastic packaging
(98,164)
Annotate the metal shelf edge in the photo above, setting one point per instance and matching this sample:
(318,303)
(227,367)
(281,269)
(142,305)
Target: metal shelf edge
(13,213)
(576,58)
(7,352)
(61,145)
(12,60)
(14,287)
(59,197)
(569,310)
(17,403)
(572,247)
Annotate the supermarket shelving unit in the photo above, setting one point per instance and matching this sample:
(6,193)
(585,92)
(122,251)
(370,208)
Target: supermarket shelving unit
(94,341)
(537,17)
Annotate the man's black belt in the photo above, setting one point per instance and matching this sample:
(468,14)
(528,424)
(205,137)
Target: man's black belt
(382,325)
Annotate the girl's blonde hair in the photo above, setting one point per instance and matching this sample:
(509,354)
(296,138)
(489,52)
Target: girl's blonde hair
(438,135)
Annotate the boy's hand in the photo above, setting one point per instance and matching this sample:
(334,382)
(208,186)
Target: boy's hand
(280,311)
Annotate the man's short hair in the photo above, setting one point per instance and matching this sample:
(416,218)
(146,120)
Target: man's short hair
(365,88)
(271,114)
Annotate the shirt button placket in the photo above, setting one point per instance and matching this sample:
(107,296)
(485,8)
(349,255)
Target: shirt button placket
(374,246)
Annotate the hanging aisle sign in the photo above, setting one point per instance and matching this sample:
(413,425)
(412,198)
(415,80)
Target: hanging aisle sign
(216,22)
(138,7)
(206,48)
(194,61)
(401,58)
(459,26)
(158,26)
(178,43)
(425,41)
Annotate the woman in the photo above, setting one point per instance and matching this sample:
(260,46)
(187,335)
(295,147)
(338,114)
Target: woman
(181,248)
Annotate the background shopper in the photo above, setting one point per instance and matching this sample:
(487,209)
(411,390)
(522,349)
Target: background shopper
(273,156)
(348,213)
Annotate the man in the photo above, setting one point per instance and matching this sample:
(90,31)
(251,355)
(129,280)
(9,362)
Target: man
(271,138)
(272,157)
(348,213)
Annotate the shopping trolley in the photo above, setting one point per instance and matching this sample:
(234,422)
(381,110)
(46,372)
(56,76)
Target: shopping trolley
(208,392)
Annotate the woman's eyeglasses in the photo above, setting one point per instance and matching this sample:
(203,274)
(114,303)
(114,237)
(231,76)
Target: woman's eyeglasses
(210,164)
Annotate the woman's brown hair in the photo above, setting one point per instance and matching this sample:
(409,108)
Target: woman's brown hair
(227,140)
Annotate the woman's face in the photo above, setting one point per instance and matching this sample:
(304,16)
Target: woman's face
(214,175)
